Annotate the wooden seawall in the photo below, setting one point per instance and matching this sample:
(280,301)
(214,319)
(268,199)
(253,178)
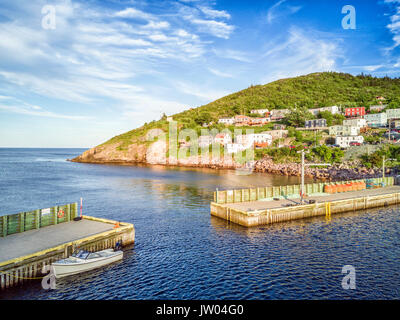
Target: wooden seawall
(256,213)
(26,267)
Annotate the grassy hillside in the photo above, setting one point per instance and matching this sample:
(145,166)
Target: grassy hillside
(313,90)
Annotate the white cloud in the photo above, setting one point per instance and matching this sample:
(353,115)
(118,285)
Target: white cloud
(302,53)
(134,13)
(220,73)
(216,28)
(373,68)
(38,112)
(215,13)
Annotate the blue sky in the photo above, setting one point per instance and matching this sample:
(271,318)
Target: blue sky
(110,66)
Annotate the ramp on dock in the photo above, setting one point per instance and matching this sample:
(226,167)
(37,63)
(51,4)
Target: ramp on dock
(28,242)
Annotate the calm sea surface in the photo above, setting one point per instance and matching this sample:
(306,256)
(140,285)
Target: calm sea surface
(181,252)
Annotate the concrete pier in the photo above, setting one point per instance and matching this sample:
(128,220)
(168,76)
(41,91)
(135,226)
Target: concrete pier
(259,212)
(23,255)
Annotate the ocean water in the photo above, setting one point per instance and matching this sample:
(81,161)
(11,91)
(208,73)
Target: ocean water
(181,252)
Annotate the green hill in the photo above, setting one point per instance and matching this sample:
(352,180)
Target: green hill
(313,90)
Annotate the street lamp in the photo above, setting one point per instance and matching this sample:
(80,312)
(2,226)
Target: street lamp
(302,172)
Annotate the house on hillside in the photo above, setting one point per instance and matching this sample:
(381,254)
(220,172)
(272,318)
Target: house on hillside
(235,147)
(241,120)
(227,121)
(344,131)
(251,139)
(376,119)
(316,123)
(223,138)
(393,113)
(259,111)
(361,123)
(277,134)
(354,112)
(279,127)
(205,141)
(345,141)
(278,114)
(259,121)
(332,109)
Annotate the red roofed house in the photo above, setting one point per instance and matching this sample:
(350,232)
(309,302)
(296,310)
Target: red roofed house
(241,120)
(354,112)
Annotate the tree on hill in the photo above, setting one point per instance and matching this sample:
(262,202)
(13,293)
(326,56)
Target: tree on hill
(298,116)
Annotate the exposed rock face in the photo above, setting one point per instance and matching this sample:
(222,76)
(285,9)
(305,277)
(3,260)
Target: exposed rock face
(156,153)
(111,154)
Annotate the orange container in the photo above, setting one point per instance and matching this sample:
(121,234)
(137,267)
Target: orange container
(328,188)
(353,186)
(334,188)
(339,188)
(363,185)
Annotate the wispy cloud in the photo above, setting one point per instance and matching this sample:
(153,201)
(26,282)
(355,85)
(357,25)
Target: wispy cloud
(215,13)
(281,8)
(220,73)
(15,105)
(303,52)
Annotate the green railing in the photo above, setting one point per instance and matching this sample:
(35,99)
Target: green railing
(254,194)
(24,221)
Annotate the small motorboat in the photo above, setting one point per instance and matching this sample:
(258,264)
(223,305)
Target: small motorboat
(81,261)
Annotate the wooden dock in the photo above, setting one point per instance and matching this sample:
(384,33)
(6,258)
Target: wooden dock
(23,255)
(267,211)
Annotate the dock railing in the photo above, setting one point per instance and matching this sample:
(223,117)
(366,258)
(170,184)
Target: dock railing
(24,221)
(289,191)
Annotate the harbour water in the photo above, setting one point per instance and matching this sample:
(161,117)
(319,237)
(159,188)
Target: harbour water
(181,252)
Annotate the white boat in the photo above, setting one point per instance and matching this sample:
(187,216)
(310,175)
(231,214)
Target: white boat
(81,261)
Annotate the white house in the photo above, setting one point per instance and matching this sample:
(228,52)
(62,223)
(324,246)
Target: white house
(376,119)
(277,134)
(344,131)
(227,121)
(235,147)
(333,110)
(361,123)
(344,141)
(279,114)
(250,139)
(223,138)
(393,113)
(259,111)
(205,141)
